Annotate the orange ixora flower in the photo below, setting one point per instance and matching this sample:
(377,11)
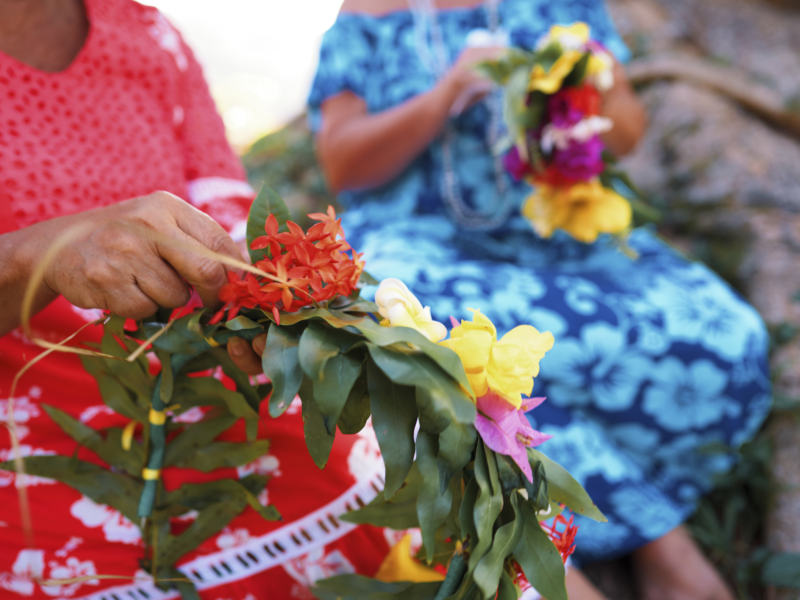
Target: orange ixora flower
(311,267)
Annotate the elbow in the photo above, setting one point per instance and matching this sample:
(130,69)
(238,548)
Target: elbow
(629,136)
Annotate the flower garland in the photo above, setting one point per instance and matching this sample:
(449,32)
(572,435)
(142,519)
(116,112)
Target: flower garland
(470,480)
(553,106)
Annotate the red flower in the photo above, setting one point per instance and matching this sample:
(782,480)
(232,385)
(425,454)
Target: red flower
(308,268)
(563,539)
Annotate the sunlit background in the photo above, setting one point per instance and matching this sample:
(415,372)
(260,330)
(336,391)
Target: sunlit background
(259,56)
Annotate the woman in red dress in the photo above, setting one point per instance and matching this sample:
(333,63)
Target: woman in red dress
(102,104)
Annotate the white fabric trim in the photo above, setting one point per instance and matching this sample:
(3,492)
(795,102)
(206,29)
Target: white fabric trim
(208,189)
(239,231)
(259,554)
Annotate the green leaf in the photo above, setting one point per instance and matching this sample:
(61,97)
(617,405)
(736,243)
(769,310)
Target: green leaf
(194,437)
(208,391)
(112,453)
(782,570)
(443,397)
(267,203)
(490,568)
(358,587)
(506,589)
(563,488)
(368,279)
(539,558)
(318,440)
(394,415)
(101,485)
(466,515)
(336,318)
(578,72)
(217,455)
(240,378)
(487,506)
(117,398)
(210,521)
(333,388)
(241,323)
(515,106)
(456,444)
(409,338)
(167,379)
(398,513)
(357,409)
(281,364)
(433,506)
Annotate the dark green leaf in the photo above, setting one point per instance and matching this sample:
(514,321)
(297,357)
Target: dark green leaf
(466,515)
(101,485)
(443,396)
(539,558)
(211,520)
(208,391)
(563,488)
(333,388)
(217,455)
(112,453)
(241,323)
(267,203)
(398,513)
(433,506)
(456,444)
(195,437)
(782,570)
(394,415)
(358,587)
(357,409)
(117,397)
(490,568)
(318,440)
(368,279)
(487,506)
(282,366)
(167,379)
(578,72)
(240,378)
(506,589)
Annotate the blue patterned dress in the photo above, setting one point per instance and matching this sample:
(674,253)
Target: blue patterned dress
(654,358)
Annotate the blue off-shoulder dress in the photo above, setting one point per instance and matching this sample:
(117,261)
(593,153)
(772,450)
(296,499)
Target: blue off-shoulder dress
(654,358)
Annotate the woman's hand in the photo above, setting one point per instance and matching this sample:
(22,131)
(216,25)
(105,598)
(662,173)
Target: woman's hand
(120,260)
(623,107)
(465,85)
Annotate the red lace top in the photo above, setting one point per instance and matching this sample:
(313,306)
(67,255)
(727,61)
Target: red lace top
(132,115)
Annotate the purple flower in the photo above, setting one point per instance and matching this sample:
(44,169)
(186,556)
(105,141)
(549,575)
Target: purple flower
(562,111)
(515,166)
(580,161)
(506,430)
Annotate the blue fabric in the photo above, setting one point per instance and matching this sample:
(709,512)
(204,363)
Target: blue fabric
(654,358)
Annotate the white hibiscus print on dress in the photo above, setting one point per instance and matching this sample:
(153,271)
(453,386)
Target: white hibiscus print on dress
(116,528)
(264,465)
(365,459)
(28,566)
(70,569)
(708,313)
(688,397)
(229,538)
(317,564)
(600,367)
(25,409)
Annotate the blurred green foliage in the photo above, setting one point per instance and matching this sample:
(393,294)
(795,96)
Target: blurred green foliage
(285,159)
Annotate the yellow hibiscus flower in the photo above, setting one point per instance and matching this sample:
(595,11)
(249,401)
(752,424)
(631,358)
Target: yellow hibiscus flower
(400,308)
(506,366)
(399,565)
(584,210)
(549,82)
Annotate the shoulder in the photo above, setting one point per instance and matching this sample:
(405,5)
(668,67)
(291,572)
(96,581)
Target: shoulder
(373,7)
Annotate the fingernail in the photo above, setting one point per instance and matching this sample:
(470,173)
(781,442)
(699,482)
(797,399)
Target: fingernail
(259,343)
(236,346)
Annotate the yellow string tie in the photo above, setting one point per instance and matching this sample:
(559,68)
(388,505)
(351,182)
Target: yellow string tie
(212,342)
(151,474)
(159,417)
(127,434)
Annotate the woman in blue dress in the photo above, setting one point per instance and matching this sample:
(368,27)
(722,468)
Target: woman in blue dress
(654,358)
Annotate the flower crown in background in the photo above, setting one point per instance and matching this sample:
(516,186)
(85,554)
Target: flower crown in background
(553,103)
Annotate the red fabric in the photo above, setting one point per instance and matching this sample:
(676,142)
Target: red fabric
(132,115)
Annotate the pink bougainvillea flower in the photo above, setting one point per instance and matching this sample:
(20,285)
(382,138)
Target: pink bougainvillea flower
(505,429)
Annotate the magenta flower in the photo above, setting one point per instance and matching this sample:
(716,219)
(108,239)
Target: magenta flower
(515,166)
(562,111)
(580,161)
(506,430)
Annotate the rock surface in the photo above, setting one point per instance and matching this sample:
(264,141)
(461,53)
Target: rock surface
(728,184)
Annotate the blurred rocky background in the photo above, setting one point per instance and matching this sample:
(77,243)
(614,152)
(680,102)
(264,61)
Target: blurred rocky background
(721,162)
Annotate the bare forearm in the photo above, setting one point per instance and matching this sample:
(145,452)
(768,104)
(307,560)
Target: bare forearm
(21,251)
(370,149)
(624,108)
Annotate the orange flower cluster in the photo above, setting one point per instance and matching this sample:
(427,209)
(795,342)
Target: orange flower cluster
(563,540)
(309,268)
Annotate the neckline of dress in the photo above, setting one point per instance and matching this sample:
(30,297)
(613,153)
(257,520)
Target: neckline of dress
(87,43)
(407,11)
